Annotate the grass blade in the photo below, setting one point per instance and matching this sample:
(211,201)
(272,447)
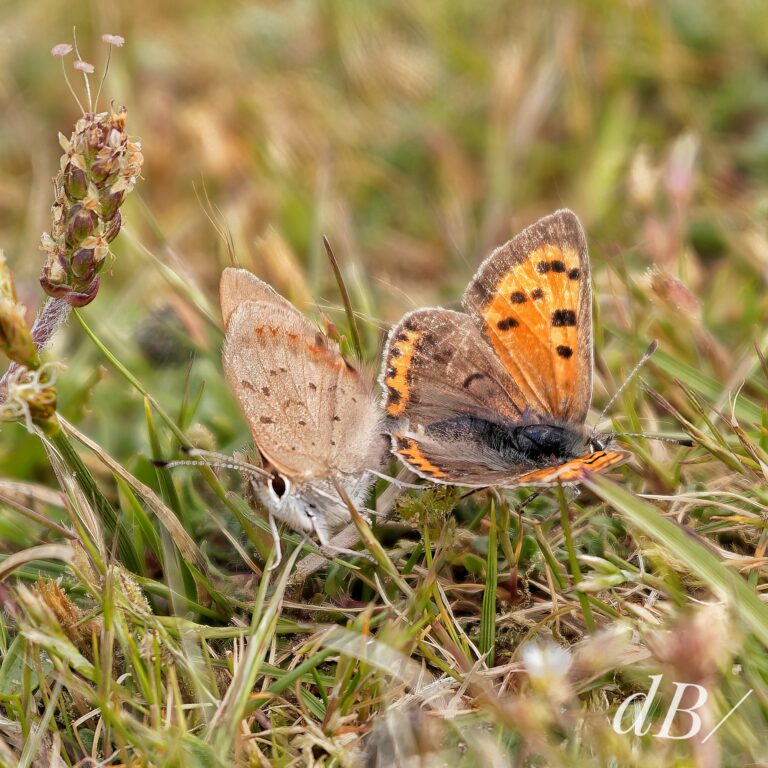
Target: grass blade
(699,558)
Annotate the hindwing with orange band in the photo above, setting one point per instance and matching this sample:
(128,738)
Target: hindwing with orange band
(574,470)
(445,461)
(532,301)
(409,449)
(437,364)
(471,463)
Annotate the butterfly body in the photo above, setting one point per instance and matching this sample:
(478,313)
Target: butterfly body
(517,443)
(498,394)
(314,418)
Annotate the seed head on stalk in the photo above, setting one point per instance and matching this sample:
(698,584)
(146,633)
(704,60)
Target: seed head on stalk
(99,167)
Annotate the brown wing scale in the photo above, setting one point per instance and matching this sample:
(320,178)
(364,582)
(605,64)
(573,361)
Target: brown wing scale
(309,411)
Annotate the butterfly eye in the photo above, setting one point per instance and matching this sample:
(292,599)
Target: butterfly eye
(279,485)
(597,445)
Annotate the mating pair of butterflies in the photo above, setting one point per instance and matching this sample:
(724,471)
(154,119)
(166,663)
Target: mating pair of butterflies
(496,395)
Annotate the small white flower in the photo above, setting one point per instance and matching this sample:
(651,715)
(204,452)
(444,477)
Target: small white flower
(84,66)
(547,664)
(62,49)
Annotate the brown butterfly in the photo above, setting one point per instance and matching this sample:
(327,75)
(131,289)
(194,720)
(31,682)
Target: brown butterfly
(315,419)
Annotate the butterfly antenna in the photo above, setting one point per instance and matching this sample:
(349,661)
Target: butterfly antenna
(213,459)
(640,363)
(685,442)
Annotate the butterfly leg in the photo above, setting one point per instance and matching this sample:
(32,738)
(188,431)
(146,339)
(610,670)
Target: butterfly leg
(321,535)
(276,542)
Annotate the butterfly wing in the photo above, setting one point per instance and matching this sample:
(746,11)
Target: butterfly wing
(466,459)
(436,365)
(573,470)
(309,411)
(239,285)
(462,460)
(531,300)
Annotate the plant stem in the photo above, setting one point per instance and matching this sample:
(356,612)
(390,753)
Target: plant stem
(565,521)
(488,616)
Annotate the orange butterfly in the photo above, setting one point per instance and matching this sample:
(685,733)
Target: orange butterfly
(498,394)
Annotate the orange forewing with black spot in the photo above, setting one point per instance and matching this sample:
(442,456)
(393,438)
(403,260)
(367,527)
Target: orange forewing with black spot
(533,298)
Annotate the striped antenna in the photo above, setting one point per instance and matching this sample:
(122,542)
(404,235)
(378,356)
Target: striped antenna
(640,363)
(685,442)
(213,459)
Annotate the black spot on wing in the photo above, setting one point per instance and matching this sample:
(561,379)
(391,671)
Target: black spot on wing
(518,297)
(563,317)
(537,293)
(564,351)
(506,323)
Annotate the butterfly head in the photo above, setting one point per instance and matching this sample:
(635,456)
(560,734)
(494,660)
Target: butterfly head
(600,441)
(311,506)
(278,487)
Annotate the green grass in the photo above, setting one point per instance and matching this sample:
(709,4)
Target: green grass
(138,627)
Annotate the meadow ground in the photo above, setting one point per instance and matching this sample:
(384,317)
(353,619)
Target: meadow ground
(138,627)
